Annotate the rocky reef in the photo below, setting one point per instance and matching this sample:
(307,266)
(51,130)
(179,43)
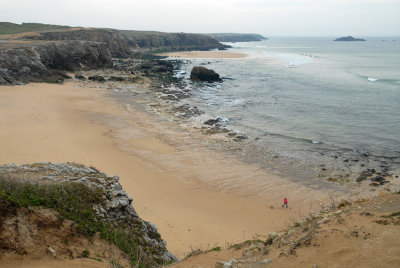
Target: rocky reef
(236,37)
(110,204)
(47,62)
(349,39)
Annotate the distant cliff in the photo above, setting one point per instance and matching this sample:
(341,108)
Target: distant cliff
(236,37)
(121,43)
(348,38)
(46,62)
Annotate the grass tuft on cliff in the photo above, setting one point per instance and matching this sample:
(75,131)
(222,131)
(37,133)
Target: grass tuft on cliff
(75,202)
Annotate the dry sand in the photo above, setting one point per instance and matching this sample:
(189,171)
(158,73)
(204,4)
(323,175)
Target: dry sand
(197,198)
(205,54)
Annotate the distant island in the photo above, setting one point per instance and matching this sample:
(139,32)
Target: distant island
(349,38)
(236,37)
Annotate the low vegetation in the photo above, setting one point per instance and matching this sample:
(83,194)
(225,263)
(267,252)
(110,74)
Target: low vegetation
(12,28)
(75,202)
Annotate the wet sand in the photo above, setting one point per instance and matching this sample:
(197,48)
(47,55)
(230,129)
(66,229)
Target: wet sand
(205,55)
(198,198)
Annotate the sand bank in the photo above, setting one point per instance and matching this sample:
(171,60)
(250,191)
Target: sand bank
(197,198)
(205,54)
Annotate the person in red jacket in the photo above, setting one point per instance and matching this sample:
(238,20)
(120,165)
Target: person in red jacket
(285,202)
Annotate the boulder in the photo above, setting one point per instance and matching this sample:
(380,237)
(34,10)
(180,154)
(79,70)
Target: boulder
(200,73)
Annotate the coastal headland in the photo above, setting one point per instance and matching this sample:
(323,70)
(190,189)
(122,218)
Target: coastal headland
(102,100)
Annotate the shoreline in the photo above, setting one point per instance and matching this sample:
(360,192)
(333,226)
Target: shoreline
(205,55)
(193,196)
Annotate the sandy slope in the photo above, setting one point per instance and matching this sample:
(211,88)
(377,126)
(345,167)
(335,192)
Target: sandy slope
(361,235)
(197,199)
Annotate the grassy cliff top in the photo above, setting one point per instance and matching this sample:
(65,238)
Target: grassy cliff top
(13,28)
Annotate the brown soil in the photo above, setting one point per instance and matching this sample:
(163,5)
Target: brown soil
(37,237)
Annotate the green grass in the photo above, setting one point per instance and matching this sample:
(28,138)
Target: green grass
(75,202)
(12,28)
(214,249)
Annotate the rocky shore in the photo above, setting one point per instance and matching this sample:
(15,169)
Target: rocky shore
(46,56)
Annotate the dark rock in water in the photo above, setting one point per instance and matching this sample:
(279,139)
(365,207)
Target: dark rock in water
(349,38)
(98,78)
(365,175)
(200,73)
(211,122)
(240,137)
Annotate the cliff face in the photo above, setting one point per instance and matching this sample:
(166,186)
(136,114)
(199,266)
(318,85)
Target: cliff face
(113,40)
(121,43)
(236,37)
(63,189)
(45,62)
(173,41)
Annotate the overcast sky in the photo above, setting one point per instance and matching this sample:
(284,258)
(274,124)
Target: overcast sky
(268,17)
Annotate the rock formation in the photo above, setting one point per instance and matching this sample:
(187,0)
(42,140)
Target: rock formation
(114,207)
(236,37)
(349,38)
(46,62)
(200,73)
(121,43)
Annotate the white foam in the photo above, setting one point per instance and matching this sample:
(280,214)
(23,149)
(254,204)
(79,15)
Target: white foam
(372,79)
(223,119)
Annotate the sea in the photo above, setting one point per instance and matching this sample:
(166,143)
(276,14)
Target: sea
(308,106)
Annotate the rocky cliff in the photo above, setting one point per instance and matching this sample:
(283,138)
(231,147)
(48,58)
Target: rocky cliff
(122,43)
(88,199)
(47,61)
(236,37)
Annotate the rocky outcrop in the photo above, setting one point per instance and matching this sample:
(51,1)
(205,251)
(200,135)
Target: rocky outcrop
(115,206)
(122,43)
(236,37)
(349,38)
(200,73)
(115,42)
(46,62)
(173,41)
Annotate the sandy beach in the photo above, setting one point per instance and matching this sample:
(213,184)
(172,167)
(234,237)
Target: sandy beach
(205,55)
(197,198)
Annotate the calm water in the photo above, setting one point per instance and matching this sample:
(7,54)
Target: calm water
(311,98)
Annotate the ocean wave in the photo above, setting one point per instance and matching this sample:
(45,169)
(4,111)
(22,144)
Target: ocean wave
(237,102)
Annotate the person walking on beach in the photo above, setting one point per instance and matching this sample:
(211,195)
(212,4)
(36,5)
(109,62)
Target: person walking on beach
(285,202)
